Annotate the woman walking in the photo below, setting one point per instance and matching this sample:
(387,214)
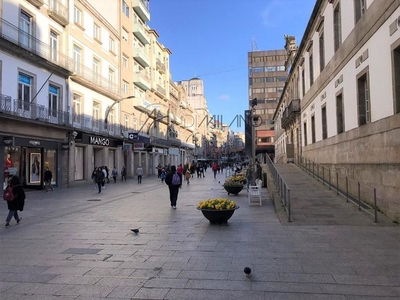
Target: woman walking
(174,182)
(17,202)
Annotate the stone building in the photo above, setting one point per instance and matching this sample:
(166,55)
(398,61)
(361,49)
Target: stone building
(340,105)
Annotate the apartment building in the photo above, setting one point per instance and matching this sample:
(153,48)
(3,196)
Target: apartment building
(87,85)
(267,76)
(340,106)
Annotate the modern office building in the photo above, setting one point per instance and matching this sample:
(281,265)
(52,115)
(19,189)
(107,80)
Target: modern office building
(267,76)
(340,105)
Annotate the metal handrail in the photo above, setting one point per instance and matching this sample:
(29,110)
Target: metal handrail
(361,194)
(281,187)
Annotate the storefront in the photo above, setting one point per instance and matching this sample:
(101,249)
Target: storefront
(29,158)
(92,151)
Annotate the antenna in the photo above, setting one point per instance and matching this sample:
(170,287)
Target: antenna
(254,46)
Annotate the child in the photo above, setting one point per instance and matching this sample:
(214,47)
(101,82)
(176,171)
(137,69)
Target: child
(162,175)
(187,176)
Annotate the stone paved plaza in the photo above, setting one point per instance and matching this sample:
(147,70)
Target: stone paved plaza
(76,244)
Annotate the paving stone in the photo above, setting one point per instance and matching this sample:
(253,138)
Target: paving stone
(151,293)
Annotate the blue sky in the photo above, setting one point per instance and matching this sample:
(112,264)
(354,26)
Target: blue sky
(210,39)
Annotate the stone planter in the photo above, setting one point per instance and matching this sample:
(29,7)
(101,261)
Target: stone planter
(233,189)
(218,216)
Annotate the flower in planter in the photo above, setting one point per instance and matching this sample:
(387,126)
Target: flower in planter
(228,183)
(217,204)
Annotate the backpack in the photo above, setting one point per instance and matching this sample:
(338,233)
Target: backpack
(176,179)
(8,194)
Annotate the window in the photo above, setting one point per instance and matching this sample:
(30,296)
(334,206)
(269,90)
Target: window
(111,120)
(24,91)
(134,124)
(96,114)
(77,16)
(311,66)
(125,8)
(268,139)
(281,78)
(96,70)
(324,123)
(303,81)
(321,50)
(53,100)
(305,133)
(126,87)
(360,7)
(124,34)
(77,59)
(125,61)
(270,69)
(313,129)
(126,122)
(111,45)
(339,113)
(96,32)
(337,27)
(53,45)
(280,68)
(76,108)
(25,26)
(396,71)
(364,104)
(270,79)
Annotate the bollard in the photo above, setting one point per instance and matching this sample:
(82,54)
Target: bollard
(376,210)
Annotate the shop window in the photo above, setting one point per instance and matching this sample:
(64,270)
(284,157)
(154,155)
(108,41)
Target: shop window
(50,162)
(12,156)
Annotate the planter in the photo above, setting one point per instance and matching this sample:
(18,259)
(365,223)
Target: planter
(233,189)
(218,216)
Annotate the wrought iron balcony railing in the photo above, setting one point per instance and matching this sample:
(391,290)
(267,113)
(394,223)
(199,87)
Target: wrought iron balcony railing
(58,12)
(290,112)
(30,43)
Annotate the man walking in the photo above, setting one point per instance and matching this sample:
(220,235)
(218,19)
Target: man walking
(139,173)
(47,179)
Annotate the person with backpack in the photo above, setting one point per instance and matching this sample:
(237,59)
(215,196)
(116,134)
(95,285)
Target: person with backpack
(15,196)
(174,182)
(114,174)
(162,176)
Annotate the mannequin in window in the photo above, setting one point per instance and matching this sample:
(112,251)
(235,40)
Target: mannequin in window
(35,169)
(8,163)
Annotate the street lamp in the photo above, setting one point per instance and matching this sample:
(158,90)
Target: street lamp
(110,107)
(253,135)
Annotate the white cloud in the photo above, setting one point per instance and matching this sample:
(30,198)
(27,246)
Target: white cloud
(224,97)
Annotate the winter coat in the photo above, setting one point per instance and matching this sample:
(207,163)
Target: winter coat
(100,176)
(19,199)
(168,179)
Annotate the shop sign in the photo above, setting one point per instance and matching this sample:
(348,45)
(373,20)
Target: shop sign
(158,150)
(64,146)
(138,146)
(133,135)
(34,143)
(174,151)
(8,141)
(165,151)
(96,140)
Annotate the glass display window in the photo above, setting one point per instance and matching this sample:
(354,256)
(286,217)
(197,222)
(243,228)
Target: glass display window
(50,162)
(12,156)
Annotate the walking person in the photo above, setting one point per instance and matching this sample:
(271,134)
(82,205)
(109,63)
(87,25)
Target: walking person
(100,178)
(139,173)
(123,174)
(215,169)
(94,178)
(103,184)
(48,176)
(163,174)
(174,182)
(187,176)
(17,195)
(114,174)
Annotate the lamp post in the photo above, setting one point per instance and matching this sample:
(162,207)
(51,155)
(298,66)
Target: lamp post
(109,109)
(253,143)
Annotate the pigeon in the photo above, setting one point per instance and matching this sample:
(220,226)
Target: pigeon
(135,230)
(247,271)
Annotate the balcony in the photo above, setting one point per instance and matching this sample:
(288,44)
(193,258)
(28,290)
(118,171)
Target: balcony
(88,123)
(32,49)
(183,104)
(160,91)
(140,32)
(93,80)
(290,113)
(160,66)
(32,111)
(36,3)
(141,79)
(141,57)
(141,7)
(58,12)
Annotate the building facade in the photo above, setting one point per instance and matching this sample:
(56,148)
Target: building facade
(267,76)
(340,106)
